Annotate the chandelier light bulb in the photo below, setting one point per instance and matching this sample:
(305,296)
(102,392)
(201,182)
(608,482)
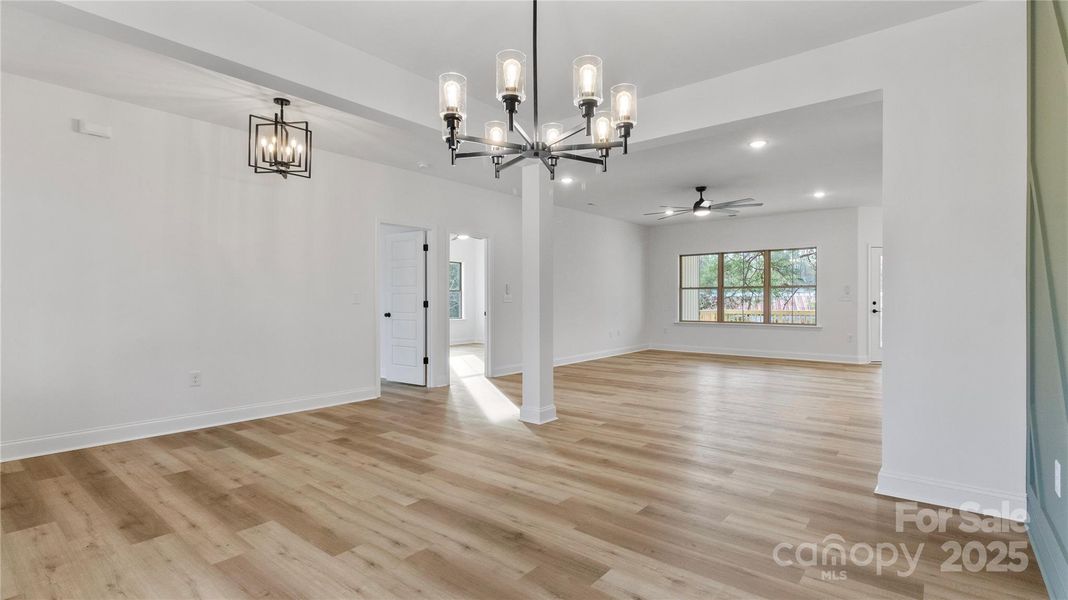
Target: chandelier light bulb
(496,131)
(511,75)
(587,74)
(452,96)
(263,142)
(551,132)
(602,129)
(624,105)
(586,80)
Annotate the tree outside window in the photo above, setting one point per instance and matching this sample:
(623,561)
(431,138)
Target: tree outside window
(758,286)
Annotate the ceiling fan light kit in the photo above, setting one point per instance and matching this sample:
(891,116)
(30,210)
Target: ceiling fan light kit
(608,129)
(703,208)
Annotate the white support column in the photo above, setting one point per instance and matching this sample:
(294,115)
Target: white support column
(538,406)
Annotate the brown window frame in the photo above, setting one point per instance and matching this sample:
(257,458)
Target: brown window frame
(720,289)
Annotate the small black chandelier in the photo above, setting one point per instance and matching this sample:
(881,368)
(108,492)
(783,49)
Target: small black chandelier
(607,129)
(279,146)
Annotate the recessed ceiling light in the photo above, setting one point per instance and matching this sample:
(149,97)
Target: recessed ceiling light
(423,164)
(462,236)
(566,180)
(758,144)
(819,194)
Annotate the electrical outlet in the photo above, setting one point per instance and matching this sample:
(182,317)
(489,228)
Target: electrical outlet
(1057,477)
(194,379)
(356,298)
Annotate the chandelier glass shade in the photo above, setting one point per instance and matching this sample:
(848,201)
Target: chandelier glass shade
(279,146)
(607,129)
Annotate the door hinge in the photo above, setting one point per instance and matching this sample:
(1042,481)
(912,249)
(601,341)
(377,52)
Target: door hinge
(426,360)
(426,247)
(426,304)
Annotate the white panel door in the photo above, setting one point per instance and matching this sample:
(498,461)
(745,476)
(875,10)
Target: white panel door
(875,304)
(404,318)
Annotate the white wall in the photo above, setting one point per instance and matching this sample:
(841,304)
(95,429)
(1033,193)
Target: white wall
(834,233)
(599,284)
(472,327)
(129,262)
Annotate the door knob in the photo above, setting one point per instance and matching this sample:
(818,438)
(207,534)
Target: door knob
(388,315)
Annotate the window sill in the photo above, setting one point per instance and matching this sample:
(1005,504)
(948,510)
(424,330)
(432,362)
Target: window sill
(749,325)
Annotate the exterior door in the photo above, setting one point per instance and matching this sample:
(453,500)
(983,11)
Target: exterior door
(875,304)
(404,318)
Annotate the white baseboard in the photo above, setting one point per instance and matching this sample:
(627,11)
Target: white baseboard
(951,494)
(835,358)
(572,359)
(537,417)
(96,436)
(1052,560)
(577,358)
(463,342)
(507,370)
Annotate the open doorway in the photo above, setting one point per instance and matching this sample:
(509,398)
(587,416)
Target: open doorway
(402,301)
(467,305)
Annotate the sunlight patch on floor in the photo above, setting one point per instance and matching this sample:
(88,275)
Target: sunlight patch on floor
(468,371)
(494,404)
(466,365)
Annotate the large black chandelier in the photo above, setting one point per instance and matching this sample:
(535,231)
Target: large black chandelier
(545,143)
(279,146)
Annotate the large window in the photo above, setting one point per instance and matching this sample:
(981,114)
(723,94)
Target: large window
(456,290)
(758,286)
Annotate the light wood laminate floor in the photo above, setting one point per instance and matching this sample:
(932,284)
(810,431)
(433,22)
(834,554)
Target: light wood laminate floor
(667,476)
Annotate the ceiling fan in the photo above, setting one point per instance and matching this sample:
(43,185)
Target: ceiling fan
(703,207)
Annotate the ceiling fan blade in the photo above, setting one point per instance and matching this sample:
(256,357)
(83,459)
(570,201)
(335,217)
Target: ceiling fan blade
(726,211)
(673,215)
(730,202)
(747,205)
(660,212)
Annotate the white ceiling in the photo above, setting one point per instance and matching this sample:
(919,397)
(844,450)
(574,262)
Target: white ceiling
(40,48)
(835,147)
(659,45)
